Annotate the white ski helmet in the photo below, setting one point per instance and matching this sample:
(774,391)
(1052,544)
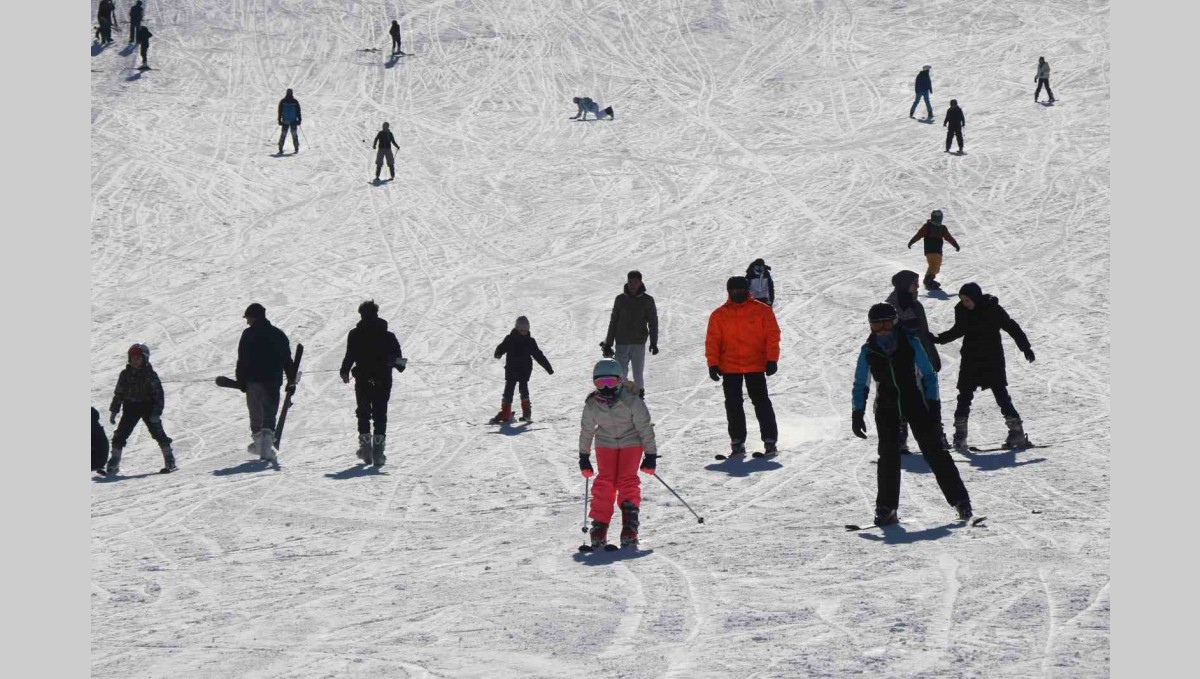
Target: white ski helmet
(607,367)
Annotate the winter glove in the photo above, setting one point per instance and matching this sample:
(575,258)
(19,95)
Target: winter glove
(606,350)
(112,417)
(714,373)
(649,463)
(345,378)
(1029,355)
(290,388)
(957,249)
(585,466)
(549,371)
(400,364)
(858,425)
(772,368)
(653,349)
(498,354)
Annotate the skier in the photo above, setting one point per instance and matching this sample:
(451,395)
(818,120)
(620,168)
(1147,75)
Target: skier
(384,141)
(924,88)
(106,14)
(911,316)
(742,345)
(586,105)
(894,357)
(264,357)
(934,232)
(371,353)
(135,20)
(143,39)
(634,317)
(954,123)
(140,394)
(620,424)
(99,444)
(978,319)
(289,119)
(521,350)
(394,31)
(1043,79)
(762,286)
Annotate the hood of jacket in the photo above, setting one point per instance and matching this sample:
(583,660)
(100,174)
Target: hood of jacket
(639,292)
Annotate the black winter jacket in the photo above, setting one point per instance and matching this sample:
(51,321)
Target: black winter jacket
(264,355)
(982,354)
(138,385)
(135,14)
(522,351)
(923,83)
(905,379)
(955,118)
(633,318)
(371,350)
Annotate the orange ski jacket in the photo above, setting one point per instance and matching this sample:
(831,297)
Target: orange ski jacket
(742,337)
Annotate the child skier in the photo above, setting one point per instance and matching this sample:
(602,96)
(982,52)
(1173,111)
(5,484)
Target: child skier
(619,422)
(99,444)
(586,106)
(762,286)
(934,232)
(522,350)
(954,122)
(140,394)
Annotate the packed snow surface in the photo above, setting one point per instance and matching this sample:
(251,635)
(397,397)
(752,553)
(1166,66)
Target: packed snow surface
(743,129)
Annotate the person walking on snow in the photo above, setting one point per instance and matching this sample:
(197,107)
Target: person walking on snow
(742,346)
(924,88)
(521,350)
(264,358)
(619,422)
(634,318)
(954,122)
(99,445)
(394,31)
(384,141)
(1043,79)
(106,15)
(762,286)
(289,119)
(135,20)
(896,360)
(372,351)
(143,39)
(933,232)
(978,319)
(139,397)
(911,316)
(586,106)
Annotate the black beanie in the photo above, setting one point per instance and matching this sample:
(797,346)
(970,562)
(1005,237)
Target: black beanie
(255,310)
(902,280)
(972,291)
(881,312)
(522,322)
(737,283)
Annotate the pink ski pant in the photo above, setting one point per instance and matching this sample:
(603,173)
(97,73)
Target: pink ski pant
(616,480)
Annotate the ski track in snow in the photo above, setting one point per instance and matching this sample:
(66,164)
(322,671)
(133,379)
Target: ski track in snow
(744,129)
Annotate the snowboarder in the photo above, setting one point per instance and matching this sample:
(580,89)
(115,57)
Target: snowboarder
(895,358)
(1043,79)
(924,88)
(742,345)
(139,394)
(586,105)
(619,422)
(762,286)
(143,39)
(394,31)
(954,122)
(371,353)
(384,141)
(521,350)
(264,357)
(99,444)
(289,119)
(978,319)
(135,20)
(634,318)
(106,14)
(934,232)
(911,316)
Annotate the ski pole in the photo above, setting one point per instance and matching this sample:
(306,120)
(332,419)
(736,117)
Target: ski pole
(586,481)
(699,519)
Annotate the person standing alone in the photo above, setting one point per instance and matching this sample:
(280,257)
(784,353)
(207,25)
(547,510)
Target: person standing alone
(1043,79)
(384,141)
(372,351)
(954,123)
(924,88)
(135,20)
(394,31)
(289,119)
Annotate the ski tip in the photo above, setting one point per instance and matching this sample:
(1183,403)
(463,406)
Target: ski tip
(721,457)
(850,528)
(978,520)
(611,548)
(585,549)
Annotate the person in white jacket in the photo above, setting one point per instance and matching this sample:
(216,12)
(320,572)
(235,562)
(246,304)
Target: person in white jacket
(619,423)
(1043,79)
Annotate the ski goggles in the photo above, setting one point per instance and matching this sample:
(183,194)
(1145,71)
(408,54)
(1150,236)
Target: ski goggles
(607,382)
(885,324)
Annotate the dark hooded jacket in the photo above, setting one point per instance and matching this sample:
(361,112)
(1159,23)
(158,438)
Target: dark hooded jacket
(911,315)
(982,354)
(923,83)
(289,111)
(135,13)
(140,386)
(955,118)
(371,351)
(264,355)
(905,379)
(521,351)
(759,286)
(99,442)
(633,319)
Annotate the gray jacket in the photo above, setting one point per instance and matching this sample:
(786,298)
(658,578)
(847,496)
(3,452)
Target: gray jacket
(1043,70)
(624,424)
(633,319)
(913,318)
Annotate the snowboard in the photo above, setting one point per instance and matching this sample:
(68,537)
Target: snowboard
(294,378)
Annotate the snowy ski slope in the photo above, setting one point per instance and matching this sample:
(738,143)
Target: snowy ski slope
(743,129)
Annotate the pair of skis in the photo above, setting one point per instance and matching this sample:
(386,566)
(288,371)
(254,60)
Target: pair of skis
(758,455)
(854,528)
(294,378)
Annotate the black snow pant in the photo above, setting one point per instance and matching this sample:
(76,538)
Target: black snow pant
(396,45)
(954,133)
(105,32)
(372,395)
(145,47)
(133,26)
(887,425)
(965,396)
(1046,83)
(511,384)
(756,386)
(385,154)
(283,130)
(133,412)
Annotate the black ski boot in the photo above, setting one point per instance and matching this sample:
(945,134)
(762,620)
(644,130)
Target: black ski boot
(737,448)
(960,434)
(378,442)
(1016,434)
(364,448)
(770,449)
(168,460)
(964,510)
(526,411)
(114,461)
(885,516)
(629,525)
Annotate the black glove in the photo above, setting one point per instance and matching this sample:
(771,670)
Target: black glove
(1029,355)
(585,466)
(345,377)
(910,246)
(549,371)
(772,368)
(290,388)
(957,249)
(112,417)
(714,373)
(606,350)
(653,349)
(858,425)
(498,354)
(649,463)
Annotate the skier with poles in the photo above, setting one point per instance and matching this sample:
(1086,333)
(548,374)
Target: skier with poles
(933,232)
(954,122)
(634,318)
(894,357)
(371,352)
(619,423)
(135,20)
(139,394)
(289,118)
(924,88)
(586,105)
(264,358)
(521,350)
(1043,79)
(911,316)
(384,141)
(394,31)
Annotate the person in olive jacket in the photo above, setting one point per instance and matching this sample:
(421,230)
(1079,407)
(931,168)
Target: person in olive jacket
(372,351)
(634,318)
(521,350)
(264,357)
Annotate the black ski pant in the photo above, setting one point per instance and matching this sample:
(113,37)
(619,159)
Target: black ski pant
(105,31)
(283,130)
(133,412)
(756,386)
(133,26)
(145,47)
(1043,82)
(953,133)
(372,395)
(396,45)
(887,425)
(965,396)
(385,154)
(511,384)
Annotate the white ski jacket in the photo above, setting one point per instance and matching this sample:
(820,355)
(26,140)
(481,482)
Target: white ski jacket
(623,424)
